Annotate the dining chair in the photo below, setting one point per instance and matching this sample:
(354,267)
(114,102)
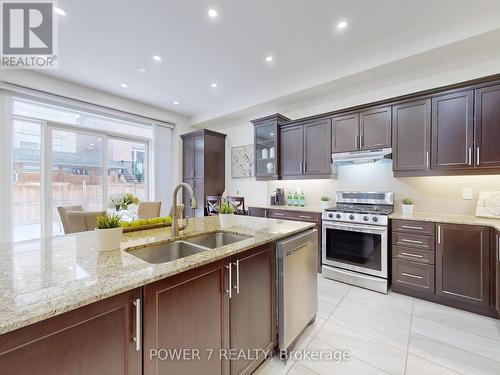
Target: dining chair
(83,221)
(238,204)
(62,210)
(149,210)
(212,202)
(180,210)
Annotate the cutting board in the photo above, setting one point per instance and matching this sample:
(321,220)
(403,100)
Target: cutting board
(488,204)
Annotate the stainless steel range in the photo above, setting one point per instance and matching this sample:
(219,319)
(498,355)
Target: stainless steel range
(355,239)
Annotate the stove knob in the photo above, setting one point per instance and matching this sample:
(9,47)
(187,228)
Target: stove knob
(351,217)
(330,216)
(338,216)
(375,219)
(366,218)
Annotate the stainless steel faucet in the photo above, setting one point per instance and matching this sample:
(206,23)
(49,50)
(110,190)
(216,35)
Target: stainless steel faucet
(193,204)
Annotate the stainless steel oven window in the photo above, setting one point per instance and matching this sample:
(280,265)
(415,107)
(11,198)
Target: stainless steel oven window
(366,252)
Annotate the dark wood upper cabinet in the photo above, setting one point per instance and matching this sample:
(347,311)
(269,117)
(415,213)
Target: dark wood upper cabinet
(411,126)
(487,129)
(453,131)
(94,339)
(317,147)
(463,263)
(306,149)
(345,133)
(189,310)
(375,128)
(204,161)
(292,150)
(252,307)
(267,146)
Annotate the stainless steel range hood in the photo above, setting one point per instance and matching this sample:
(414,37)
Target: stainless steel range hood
(359,157)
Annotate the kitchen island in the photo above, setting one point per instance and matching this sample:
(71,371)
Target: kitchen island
(71,309)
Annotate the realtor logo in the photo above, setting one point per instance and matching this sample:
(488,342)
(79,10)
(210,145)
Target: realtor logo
(28,31)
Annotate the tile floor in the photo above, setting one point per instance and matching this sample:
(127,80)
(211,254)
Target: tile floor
(393,334)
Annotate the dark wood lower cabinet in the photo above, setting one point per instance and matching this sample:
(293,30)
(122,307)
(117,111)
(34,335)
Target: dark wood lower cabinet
(94,339)
(497,237)
(463,263)
(184,312)
(252,307)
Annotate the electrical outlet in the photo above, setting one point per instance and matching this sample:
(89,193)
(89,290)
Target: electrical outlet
(467,193)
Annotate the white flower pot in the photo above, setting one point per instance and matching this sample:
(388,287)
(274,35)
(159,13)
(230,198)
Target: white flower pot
(109,239)
(225,219)
(407,209)
(325,204)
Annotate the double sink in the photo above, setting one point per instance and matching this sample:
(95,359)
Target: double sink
(169,251)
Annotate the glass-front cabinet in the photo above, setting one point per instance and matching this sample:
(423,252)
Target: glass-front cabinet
(267,146)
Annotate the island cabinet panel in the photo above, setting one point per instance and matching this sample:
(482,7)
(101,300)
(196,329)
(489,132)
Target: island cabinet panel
(292,150)
(185,312)
(453,131)
(411,125)
(317,147)
(94,339)
(375,128)
(497,257)
(252,307)
(487,130)
(463,263)
(345,133)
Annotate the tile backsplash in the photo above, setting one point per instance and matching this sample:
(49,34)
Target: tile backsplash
(429,194)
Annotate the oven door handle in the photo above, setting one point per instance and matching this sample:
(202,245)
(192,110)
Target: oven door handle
(356,228)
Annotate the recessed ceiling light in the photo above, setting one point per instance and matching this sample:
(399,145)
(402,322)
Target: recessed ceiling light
(212,13)
(141,70)
(157,58)
(342,25)
(60,11)
(176,102)
(124,85)
(269,58)
(214,85)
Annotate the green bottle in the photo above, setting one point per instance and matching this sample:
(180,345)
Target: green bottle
(302,199)
(289,200)
(296,199)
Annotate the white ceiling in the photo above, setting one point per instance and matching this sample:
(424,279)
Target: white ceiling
(102,43)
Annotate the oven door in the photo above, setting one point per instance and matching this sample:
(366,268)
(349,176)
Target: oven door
(355,247)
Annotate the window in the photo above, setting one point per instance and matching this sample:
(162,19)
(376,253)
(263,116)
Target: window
(66,157)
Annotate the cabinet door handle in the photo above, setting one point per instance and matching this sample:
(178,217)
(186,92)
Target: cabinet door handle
(470,155)
(237,286)
(411,227)
(412,255)
(412,241)
(427,158)
(305,167)
(356,141)
(439,234)
(361,140)
(412,275)
(477,156)
(138,324)
(229,291)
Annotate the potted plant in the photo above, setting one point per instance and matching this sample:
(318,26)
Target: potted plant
(407,206)
(325,201)
(225,210)
(109,232)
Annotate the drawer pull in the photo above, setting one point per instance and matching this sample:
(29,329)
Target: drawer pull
(412,275)
(412,241)
(413,255)
(411,227)
(277,214)
(305,217)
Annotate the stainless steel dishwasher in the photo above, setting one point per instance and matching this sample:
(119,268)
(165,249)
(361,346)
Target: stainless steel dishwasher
(297,282)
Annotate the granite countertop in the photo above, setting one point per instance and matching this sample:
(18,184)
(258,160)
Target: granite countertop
(43,278)
(316,209)
(447,218)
